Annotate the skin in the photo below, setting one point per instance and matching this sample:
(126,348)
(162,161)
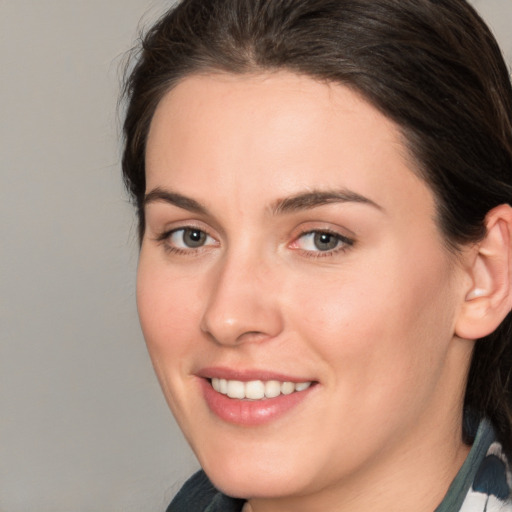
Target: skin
(371,321)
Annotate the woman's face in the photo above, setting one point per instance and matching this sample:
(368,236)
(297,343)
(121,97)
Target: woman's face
(290,250)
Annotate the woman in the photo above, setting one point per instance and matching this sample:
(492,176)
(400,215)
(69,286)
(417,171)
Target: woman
(323,192)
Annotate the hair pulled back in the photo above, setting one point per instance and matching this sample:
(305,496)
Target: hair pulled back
(432,66)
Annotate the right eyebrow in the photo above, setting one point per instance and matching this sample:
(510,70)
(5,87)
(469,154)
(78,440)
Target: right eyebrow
(166,196)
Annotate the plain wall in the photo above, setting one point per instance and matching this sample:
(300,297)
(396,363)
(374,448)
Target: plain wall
(83,425)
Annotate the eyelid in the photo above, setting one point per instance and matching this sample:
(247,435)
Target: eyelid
(345,242)
(164,236)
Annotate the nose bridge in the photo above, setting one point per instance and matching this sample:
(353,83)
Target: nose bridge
(242,301)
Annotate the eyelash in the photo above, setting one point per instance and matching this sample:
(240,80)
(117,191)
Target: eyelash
(343,243)
(164,239)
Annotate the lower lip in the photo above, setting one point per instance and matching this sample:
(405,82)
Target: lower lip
(250,412)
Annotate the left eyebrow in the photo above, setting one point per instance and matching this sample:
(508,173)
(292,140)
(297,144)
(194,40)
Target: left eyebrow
(315,198)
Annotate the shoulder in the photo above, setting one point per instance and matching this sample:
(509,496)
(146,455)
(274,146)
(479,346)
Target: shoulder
(195,494)
(199,495)
(484,481)
(491,488)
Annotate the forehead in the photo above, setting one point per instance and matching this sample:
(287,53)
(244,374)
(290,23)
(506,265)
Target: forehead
(281,105)
(276,133)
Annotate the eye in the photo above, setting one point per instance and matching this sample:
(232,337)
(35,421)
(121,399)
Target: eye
(187,239)
(322,241)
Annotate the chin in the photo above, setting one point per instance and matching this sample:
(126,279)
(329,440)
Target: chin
(246,485)
(270,477)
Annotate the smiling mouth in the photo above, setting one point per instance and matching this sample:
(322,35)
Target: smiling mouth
(257,389)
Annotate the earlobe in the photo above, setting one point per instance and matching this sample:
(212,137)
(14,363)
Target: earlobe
(489,298)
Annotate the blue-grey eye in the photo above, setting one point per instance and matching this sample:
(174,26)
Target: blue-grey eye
(321,241)
(194,237)
(189,238)
(325,241)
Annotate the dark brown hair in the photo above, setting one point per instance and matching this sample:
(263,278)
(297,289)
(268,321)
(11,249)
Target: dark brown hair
(432,66)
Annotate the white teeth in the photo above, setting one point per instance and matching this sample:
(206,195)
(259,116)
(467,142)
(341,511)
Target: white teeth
(236,389)
(272,388)
(287,388)
(257,389)
(301,386)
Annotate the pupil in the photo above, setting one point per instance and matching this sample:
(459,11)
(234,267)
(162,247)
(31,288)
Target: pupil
(194,237)
(325,241)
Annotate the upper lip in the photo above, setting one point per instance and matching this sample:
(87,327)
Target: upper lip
(246,375)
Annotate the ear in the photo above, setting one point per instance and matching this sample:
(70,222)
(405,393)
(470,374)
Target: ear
(488,299)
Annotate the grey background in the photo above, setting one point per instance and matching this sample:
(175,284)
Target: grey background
(83,426)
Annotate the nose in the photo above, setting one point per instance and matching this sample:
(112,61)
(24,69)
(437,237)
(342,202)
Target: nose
(243,303)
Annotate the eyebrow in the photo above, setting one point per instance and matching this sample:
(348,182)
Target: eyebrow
(303,201)
(166,196)
(316,198)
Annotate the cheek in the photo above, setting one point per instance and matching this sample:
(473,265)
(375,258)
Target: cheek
(168,316)
(167,310)
(381,328)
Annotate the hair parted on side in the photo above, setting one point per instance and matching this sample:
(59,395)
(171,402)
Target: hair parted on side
(431,66)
